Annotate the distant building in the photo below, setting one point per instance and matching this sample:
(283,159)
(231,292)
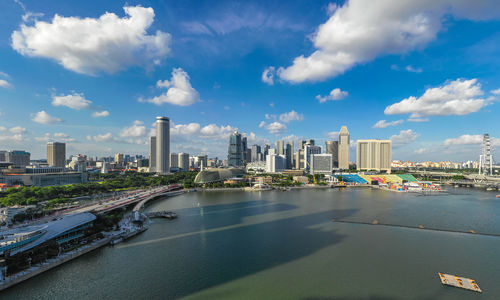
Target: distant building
(119,158)
(374,155)
(3,156)
(309,150)
(289,154)
(280,147)
(56,154)
(265,151)
(162,145)
(322,163)
(332,147)
(183,161)
(152,154)
(303,143)
(299,159)
(235,150)
(255,153)
(343,152)
(174,160)
(18,158)
(247,153)
(275,163)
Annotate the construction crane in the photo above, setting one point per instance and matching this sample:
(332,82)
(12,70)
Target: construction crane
(312,171)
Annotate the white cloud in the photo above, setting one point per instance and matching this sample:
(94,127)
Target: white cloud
(11,138)
(496,92)
(17,130)
(107,137)
(361,30)
(214,131)
(42,117)
(180,92)
(384,123)
(421,151)
(254,139)
(410,68)
(262,124)
(458,97)
(291,116)
(333,135)
(185,129)
(270,117)
(268,75)
(136,130)
(418,120)
(275,127)
(100,114)
(5,84)
(465,139)
(90,45)
(335,94)
(75,101)
(59,136)
(3,128)
(271,104)
(404,137)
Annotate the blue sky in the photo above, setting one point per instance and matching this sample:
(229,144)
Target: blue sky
(424,74)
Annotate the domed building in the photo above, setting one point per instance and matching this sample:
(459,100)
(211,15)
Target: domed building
(217,175)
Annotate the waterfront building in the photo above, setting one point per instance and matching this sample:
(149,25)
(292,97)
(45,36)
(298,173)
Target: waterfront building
(56,154)
(18,158)
(289,154)
(256,166)
(183,161)
(56,177)
(152,154)
(275,163)
(343,148)
(255,153)
(217,175)
(374,155)
(322,163)
(309,150)
(235,150)
(162,145)
(332,147)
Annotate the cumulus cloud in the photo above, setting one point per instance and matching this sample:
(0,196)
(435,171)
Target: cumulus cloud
(180,92)
(404,137)
(458,97)
(418,120)
(470,139)
(58,136)
(5,84)
(90,45)
(361,30)
(333,135)
(384,123)
(410,68)
(15,136)
(107,137)
(100,114)
(75,101)
(335,94)
(17,130)
(421,151)
(496,92)
(268,75)
(291,116)
(43,117)
(274,127)
(12,138)
(136,130)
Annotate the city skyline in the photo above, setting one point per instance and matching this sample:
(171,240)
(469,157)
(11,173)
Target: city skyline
(217,69)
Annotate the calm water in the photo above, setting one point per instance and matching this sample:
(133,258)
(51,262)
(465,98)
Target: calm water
(282,245)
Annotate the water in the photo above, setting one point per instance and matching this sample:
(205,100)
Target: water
(283,245)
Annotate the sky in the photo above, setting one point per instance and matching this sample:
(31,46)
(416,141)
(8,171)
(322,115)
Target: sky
(95,74)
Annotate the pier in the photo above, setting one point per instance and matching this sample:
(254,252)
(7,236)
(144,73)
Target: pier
(162,214)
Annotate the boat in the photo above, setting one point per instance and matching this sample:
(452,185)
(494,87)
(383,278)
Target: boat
(498,196)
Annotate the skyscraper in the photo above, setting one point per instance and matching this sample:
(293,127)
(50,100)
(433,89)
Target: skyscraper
(485,159)
(344,141)
(255,152)
(306,142)
(374,155)
(152,154)
(280,147)
(183,160)
(246,155)
(174,160)
(309,150)
(56,154)
(265,151)
(235,150)
(162,145)
(332,147)
(119,158)
(289,154)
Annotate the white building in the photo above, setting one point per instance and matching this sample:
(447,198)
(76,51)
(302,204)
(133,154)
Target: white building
(275,163)
(374,155)
(162,145)
(322,163)
(309,150)
(183,161)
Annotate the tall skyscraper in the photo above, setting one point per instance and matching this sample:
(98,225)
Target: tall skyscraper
(289,154)
(344,141)
(485,159)
(306,142)
(56,154)
(374,155)
(235,150)
(246,153)
(332,147)
(174,160)
(152,154)
(255,152)
(183,160)
(309,150)
(119,158)
(280,147)
(265,151)
(162,145)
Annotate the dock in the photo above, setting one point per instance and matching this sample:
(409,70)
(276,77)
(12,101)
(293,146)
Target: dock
(162,214)
(460,282)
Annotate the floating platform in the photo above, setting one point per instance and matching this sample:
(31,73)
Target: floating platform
(460,282)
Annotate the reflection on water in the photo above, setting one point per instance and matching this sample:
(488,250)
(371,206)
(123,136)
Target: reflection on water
(283,245)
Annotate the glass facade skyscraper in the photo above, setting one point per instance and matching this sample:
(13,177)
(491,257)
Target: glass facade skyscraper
(235,150)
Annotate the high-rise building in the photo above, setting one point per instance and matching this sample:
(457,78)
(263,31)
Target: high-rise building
(280,147)
(289,154)
(485,159)
(235,150)
(162,145)
(246,154)
(265,151)
(152,154)
(309,150)
(18,158)
(275,163)
(174,160)
(255,153)
(56,154)
(119,158)
(306,142)
(183,161)
(322,163)
(374,155)
(332,147)
(3,156)
(343,151)
(202,161)
(299,159)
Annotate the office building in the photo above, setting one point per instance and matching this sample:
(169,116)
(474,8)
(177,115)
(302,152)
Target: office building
(275,163)
(306,142)
(289,154)
(299,159)
(235,150)
(18,158)
(309,150)
(265,151)
(3,156)
(322,163)
(332,147)
(174,160)
(280,147)
(119,158)
(162,145)
(485,159)
(343,152)
(255,153)
(183,161)
(374,155)
(152,154)
(244,149)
